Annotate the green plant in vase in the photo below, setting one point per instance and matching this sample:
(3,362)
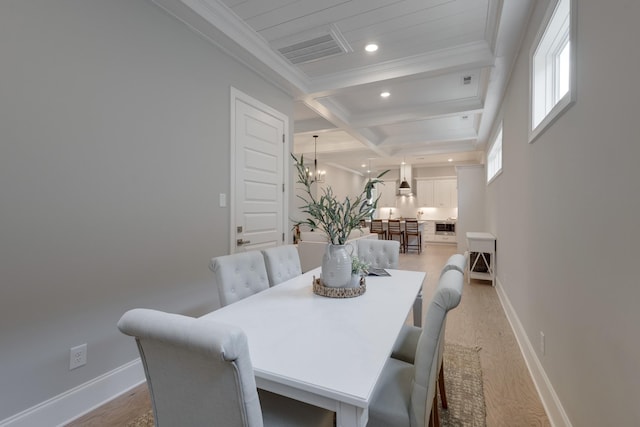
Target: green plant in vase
(337,218)
(359,269)
(358,266)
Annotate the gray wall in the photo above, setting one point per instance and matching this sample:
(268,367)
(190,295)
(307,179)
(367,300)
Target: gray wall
(471,202)
(343,183)
(565,211)
(114,127)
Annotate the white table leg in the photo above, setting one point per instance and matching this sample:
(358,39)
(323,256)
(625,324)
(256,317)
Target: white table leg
(351,416)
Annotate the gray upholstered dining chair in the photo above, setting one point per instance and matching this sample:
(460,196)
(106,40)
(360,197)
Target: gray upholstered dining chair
(378,253)
(405,394)
(385,254)
(282,263)
(407,342)
(456,262)
(199,373)
(238,276)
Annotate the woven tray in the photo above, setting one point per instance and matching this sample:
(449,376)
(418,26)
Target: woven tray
(326,291)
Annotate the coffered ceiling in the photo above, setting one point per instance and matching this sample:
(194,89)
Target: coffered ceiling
(444,63)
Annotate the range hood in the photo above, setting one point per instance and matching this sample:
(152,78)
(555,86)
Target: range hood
(405,179)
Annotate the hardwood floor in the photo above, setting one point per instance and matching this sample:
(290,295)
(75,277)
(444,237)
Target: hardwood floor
(479,321)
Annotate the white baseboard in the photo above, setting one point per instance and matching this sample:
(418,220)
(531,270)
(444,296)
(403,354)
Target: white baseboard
(552,405)
(84,398)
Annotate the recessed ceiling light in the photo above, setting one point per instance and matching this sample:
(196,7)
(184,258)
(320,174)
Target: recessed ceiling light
(371,47)
(450,160)
(385,94)
(363,165)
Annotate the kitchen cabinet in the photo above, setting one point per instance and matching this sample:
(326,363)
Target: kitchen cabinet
(387,193)
(445,193)
(429,234)
(425,193)
(445,239)
(437,193)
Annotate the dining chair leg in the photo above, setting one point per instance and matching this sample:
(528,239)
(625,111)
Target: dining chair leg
(417,310)
(443,393)
(436,416)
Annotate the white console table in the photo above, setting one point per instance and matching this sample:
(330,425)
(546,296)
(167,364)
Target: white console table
(482,265)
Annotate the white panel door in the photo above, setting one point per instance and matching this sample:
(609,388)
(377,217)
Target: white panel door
(258,182)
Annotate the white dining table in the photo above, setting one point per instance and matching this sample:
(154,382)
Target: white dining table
(328,352)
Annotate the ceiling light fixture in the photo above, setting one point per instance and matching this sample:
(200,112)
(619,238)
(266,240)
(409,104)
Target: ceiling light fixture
(404,183)
(450,160)
(371,47)
(319,173)
(385,94)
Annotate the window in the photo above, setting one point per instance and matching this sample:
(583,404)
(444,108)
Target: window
(494,157)
(553,66)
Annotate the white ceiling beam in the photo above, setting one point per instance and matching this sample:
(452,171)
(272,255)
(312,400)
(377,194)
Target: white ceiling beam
(342,123)
(426,139)
(464,57)
(437,110)
(313,125)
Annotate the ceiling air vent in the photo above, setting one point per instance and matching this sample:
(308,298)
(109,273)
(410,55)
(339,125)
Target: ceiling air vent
(316,48)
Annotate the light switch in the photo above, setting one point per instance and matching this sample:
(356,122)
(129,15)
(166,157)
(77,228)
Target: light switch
(223,200)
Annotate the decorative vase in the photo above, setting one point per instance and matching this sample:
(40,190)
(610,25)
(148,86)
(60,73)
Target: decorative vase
(355,280)
(336,266)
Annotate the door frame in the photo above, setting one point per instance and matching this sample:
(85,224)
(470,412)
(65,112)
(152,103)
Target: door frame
(237,95)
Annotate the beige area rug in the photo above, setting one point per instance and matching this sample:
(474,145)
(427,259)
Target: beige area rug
(463,382)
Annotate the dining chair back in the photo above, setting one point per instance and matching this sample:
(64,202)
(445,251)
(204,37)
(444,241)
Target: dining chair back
(377,227)
(407,342)
(412,234)
(395,229)
(405,393)
(385,254)
(431,342)
(455,262)
(239,275)
(199,373)
(378,253)
(282,263)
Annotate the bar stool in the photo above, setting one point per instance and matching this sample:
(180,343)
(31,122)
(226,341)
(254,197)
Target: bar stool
(411,229)
(378,228)
(395,229)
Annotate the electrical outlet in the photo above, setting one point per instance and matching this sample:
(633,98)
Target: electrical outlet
(542,346)
(77,356)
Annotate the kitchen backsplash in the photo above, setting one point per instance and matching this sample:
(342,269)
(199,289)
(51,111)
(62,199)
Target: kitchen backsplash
(406,208)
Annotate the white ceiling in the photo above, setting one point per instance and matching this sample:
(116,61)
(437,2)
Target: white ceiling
(426,49)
